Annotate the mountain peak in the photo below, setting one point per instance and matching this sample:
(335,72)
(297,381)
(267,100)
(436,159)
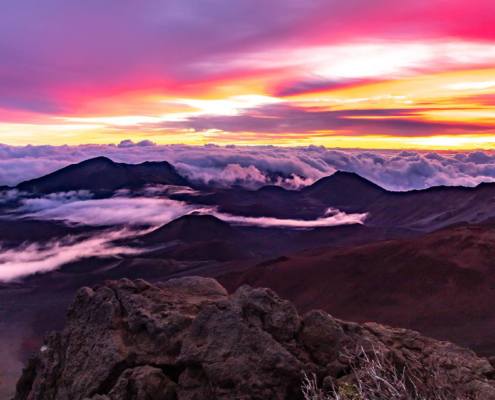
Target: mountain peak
(192,227)
(344,189)
(346,173)
(340,179)
(207,220)
(103,174)
(350,176)
(98,160)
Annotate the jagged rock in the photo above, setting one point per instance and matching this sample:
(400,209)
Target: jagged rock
(188,339)
(141,383)
(321,336)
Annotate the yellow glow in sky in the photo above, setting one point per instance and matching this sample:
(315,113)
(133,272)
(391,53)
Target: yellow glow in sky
(437,95)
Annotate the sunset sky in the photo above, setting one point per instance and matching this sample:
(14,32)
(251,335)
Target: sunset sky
(355,73)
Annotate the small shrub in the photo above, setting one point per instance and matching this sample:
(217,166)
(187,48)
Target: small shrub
(374,377)
(311,391)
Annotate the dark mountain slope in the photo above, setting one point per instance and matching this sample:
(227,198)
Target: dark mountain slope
(17,232)
(442,284)
(102,174)
(278,203)
(344,190)
(422,210)
(197,237)
(207,237)
(192,228)
(433,208)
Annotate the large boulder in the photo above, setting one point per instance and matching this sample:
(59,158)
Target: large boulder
(188,339)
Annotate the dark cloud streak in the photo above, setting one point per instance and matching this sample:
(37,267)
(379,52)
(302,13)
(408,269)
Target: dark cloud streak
(287,118)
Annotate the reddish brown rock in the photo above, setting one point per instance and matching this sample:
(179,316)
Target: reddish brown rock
(187,339)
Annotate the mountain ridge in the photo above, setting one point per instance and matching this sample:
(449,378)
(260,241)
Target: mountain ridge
(338,177)
(103,174)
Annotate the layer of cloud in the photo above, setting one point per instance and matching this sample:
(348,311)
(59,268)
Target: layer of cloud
(283,119)
(48,202)
(255,166)
(316,84)
(332,217)
(79,208)
(101,212)
(151,211)
(38,258)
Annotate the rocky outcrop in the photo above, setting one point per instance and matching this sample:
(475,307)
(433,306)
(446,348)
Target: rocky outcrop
(188,339)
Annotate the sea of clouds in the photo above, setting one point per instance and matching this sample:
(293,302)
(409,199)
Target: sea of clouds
(128,215)
(255,166)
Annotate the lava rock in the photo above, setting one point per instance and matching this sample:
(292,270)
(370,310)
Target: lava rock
(188,339)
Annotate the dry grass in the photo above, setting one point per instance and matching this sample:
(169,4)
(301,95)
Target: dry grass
(374,377)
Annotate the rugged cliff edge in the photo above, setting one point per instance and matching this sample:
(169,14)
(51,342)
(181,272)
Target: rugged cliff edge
(189,339)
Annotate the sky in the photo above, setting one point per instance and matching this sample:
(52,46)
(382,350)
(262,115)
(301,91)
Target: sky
(414,74)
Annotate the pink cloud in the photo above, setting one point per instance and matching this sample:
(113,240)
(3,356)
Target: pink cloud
(38,258)
(255,166)
(57,55)
(333,217)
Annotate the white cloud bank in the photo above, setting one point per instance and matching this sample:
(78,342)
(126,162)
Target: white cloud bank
(255,166)
(112,211)
(34,258)
(79,208)
(333,217)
